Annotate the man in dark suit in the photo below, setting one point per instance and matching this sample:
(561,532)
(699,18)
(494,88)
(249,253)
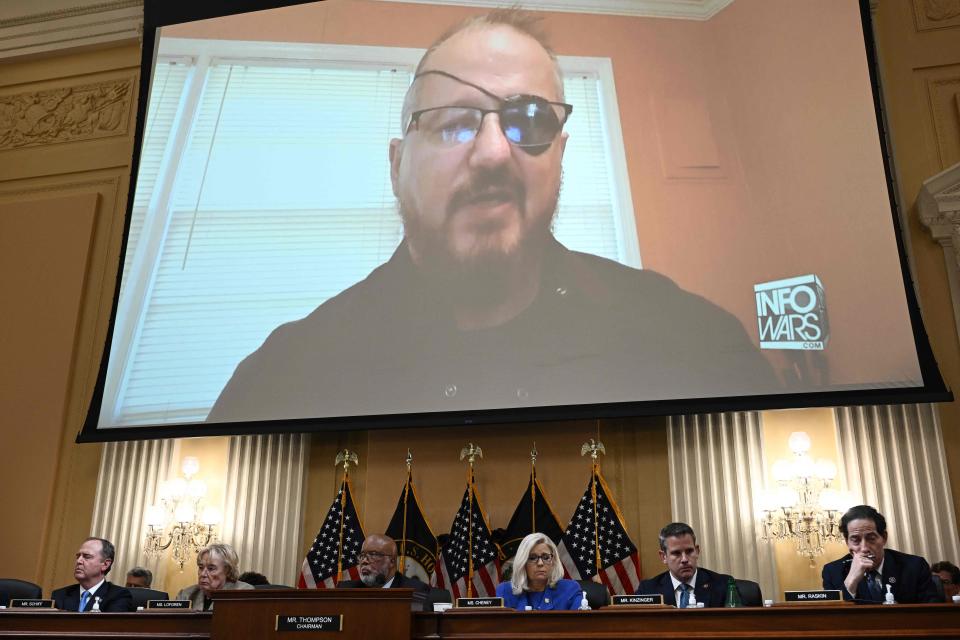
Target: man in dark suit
(94,560)
(378,567)
(864,573)
(680,552)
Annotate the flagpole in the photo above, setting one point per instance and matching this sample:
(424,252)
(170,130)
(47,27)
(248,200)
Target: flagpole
(594,447)
(470,452)
(401,565)
(533,488)
(346,457)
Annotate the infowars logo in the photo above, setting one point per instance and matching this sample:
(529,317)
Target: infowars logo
(792,314)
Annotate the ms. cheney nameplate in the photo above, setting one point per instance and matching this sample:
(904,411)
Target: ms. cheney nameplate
(310,623)
(478,603)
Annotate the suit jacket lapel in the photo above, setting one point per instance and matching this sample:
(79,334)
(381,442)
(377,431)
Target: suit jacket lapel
(666,588)
(891,573)
(702,587)
(71,598)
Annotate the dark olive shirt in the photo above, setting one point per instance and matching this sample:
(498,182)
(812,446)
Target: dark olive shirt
(597,331)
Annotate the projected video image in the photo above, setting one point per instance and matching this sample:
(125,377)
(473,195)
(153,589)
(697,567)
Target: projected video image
(339,212)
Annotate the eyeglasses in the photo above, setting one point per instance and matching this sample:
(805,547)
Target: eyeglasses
(373,556)
(534,558)
(527,121)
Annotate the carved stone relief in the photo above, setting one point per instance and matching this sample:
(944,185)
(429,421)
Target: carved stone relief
(936,14)
(66,114)
(944,93)
(939,208)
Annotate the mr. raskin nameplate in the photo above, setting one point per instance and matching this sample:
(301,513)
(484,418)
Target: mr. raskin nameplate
(813,595)
(30,603)
(479,603)
(640,599)
(332,622)
(168,604)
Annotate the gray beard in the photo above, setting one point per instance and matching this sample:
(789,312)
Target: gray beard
(373,579)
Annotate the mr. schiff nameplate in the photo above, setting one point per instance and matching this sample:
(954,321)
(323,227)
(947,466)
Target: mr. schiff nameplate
(30,603)
(478,603)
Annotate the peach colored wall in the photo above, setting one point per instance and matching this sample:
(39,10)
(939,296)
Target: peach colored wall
(811,206)
(725,94)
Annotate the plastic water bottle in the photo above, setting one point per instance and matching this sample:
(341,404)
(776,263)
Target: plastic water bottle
(692,602)
(733,595)
(584,604)
(96,605)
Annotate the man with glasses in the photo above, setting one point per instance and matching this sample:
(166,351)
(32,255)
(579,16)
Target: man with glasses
(949,576)
(480,306)
(681,553)
(378,569)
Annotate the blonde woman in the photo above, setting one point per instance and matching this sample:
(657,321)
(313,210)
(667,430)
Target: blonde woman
(537,581)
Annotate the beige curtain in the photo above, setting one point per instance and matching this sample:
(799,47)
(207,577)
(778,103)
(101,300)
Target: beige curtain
(264,503)
(716,470)
(893,458)
(126,485)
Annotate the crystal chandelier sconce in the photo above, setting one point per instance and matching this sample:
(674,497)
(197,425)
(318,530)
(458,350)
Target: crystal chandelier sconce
(181,522)
(804,508)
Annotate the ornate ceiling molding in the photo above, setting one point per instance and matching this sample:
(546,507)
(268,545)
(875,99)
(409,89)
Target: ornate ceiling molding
(681,9)
(24,31)
(938,206)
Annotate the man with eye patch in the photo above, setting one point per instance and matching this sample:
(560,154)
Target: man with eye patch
(480,306)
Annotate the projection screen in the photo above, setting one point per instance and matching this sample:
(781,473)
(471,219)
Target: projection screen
(667,212)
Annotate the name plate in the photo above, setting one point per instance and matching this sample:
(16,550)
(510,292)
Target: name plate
(168,604)
(310,623)
(478,603)
(641,599)
(30,603)
(815,595)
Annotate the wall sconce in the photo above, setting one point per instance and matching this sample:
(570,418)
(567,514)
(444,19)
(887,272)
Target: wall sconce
(804,508)
(180,522)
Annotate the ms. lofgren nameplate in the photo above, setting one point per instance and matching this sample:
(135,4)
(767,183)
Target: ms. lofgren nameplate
(310,623)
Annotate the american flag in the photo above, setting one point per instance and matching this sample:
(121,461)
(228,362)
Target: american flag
(469,532)
(602,527)
(323,561)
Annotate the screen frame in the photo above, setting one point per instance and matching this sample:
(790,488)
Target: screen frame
(159,13)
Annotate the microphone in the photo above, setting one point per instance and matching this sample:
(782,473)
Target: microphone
(379,580)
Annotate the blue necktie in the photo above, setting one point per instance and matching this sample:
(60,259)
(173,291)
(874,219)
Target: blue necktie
(83,600)
(873,586)
(684,595)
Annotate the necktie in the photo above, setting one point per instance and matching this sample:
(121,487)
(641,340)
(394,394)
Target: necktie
(83,600)
(873,585)
(684,595)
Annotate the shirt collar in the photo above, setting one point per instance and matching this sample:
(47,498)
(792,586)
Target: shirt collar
(386,585)
(94,588)
(692,582)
